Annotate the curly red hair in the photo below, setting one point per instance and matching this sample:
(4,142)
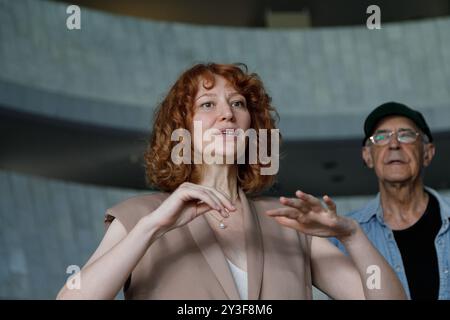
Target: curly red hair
(176,111)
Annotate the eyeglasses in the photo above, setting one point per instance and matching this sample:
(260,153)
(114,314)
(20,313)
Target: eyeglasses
(382,138)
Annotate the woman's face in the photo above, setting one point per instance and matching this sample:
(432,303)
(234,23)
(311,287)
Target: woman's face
(220,110)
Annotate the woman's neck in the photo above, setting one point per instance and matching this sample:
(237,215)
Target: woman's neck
(223,178)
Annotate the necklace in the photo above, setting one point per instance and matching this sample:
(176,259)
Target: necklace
(221,224)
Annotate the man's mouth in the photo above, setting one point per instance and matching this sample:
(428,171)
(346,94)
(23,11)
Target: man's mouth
(395,162)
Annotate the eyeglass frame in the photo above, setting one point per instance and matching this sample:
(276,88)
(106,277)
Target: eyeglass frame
(391,133)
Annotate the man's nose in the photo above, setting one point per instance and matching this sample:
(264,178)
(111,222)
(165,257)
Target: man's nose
(393,141)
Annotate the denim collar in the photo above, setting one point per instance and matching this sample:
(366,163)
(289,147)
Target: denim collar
(444,204)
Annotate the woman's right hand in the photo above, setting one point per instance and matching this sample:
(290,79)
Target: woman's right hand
(186,203)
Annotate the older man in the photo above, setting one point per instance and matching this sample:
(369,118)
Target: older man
(407,222)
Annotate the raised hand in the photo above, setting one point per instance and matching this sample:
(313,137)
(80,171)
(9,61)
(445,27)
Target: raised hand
(187,202)
(306,214)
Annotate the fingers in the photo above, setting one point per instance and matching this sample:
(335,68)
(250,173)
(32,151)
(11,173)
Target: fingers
(307,203)
(206,199)
(224,203)
(296,203)
(216,200)
(224,199)
(284,212)
(312,201)
(222,209)
(288,222)
(330,203)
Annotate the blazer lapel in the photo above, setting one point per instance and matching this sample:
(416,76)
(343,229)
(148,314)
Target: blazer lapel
(254,247)
(211,250)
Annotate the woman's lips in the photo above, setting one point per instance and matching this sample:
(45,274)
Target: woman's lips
(227,132)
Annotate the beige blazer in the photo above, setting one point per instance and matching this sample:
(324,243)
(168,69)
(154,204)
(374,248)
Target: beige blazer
(188,262)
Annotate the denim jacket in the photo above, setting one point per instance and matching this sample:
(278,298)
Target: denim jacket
(371,221)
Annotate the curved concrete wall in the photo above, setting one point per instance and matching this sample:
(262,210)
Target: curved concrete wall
(45,226)
(115,69)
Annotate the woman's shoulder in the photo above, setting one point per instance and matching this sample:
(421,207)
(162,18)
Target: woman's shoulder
(149,201)
(132,209)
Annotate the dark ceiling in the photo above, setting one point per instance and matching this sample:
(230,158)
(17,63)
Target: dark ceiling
(255,13)
(104,156)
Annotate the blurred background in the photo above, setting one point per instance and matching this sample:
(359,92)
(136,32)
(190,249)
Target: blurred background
(76,106)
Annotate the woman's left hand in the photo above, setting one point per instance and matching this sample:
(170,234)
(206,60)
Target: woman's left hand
(307,215)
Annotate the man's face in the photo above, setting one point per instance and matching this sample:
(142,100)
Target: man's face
(398,162)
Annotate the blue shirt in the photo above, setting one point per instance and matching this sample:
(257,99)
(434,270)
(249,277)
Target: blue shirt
(371,221)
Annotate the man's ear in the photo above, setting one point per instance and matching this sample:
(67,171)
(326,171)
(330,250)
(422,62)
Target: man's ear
(367,157)
(428,154)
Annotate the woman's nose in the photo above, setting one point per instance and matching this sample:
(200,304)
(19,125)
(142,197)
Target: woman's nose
(226,113)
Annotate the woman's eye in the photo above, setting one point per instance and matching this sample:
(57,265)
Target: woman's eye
(206,105)
(238,104)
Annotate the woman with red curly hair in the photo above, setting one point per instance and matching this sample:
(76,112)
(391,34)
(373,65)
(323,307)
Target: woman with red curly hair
(207,236)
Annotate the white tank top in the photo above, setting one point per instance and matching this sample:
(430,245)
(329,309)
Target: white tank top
(240,278)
